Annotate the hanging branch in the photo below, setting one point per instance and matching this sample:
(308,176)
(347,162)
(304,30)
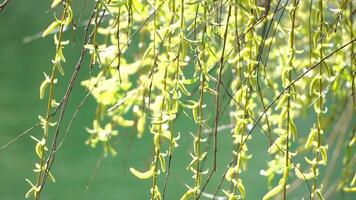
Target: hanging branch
(208,71)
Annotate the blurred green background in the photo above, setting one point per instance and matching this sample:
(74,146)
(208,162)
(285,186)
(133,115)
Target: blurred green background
(21,73)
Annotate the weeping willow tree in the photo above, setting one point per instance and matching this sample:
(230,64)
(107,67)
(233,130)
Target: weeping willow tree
(275,68)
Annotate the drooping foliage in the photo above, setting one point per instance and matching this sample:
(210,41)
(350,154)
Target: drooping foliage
(266,67)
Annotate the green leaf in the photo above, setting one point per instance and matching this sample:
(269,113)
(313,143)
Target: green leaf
(55,3)
(143,175)
(50,28)
(44,85)
(270,194)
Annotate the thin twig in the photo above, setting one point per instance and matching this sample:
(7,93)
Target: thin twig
(20,136)
(217,105)
(98,163)
(3,5)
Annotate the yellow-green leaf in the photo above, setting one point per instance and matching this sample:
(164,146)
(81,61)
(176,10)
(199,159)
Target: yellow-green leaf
(55,3)
(50,28)
(143,175)
(276,190)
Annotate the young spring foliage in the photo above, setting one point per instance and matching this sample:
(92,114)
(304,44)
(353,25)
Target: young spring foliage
(151,61)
